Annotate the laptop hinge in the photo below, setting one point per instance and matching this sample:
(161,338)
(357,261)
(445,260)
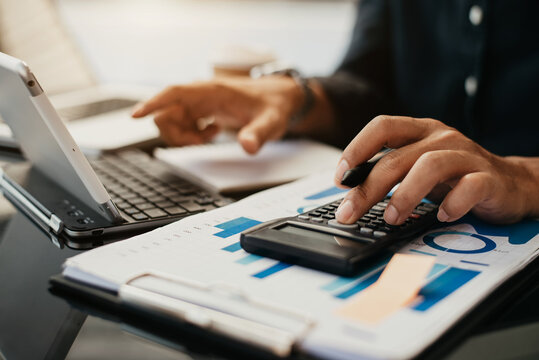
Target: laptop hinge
(56,224)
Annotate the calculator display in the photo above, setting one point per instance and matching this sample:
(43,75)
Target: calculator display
(328,238)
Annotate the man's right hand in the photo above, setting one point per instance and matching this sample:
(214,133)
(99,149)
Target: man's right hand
(193,114)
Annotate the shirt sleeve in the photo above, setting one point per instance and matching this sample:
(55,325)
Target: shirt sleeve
(360,88)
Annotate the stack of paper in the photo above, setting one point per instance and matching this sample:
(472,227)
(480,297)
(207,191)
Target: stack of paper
(226,167)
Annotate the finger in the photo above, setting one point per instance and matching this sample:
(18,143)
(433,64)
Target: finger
(175,136)
(432,168)
(264,127)
(169,96)
(469,191)
(390,131)
(386,173)
(176,128)
(174,113)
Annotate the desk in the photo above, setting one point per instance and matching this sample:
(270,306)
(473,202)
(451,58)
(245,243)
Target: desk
(34,324)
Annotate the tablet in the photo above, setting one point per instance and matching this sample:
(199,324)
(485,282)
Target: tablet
(45,140)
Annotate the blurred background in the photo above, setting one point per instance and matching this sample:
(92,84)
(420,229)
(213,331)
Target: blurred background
(73,44)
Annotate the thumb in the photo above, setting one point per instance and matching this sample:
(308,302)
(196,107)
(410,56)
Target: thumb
(262,128)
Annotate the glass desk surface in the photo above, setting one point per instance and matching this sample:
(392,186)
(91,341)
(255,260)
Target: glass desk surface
(35,324)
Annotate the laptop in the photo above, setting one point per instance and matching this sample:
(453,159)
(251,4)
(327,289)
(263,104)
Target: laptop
(96,117)
(58,186)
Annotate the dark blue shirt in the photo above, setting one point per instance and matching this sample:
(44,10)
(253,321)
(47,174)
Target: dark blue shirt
(473,64)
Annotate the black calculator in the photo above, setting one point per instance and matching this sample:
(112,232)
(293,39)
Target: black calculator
(315,239)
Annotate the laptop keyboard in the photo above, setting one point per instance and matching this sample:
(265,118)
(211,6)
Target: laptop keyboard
(143,188)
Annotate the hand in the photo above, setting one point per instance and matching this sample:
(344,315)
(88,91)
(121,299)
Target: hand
(432,158)
(193,114)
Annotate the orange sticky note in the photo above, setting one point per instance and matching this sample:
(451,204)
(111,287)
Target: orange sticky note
(397,286)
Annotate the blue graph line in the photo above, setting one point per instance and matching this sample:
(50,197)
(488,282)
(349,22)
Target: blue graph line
(325,193)
(235,226)
(233,247)
(421,252)
(338,283)
(443,286)
(473,262)
(271,270)
(249,259)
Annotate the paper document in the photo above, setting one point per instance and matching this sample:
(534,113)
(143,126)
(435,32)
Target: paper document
(226,167)
(471,259)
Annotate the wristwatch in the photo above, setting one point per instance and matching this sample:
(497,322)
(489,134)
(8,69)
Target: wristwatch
(275,68)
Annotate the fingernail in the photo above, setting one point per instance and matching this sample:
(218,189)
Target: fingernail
(341,169)
(138,107)
(344,212)
(442,215)
(391,215)
(249,142)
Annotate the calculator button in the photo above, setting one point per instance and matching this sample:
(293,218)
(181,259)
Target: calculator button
(369,216)
(303,217)
(419,212)
(334,223)
(315,213)
(365,231)
(379,234)
(377,222)
(430,206)
(376,212)
(329,216)
(365,219)
(322,211)
(318,220)
(371,226)
(378,208)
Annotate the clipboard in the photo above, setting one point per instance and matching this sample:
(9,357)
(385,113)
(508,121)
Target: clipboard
(108,305)
(160,326)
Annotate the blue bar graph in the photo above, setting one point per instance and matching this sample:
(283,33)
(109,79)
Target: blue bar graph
(436,269)
(325,193)
(271,270)
(443,286)
(235,226)
(233,247)
(249,259)
(360,286)
(344,281)
(338,283)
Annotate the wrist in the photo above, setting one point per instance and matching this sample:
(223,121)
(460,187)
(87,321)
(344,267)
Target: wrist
(299,97)
(529,184)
